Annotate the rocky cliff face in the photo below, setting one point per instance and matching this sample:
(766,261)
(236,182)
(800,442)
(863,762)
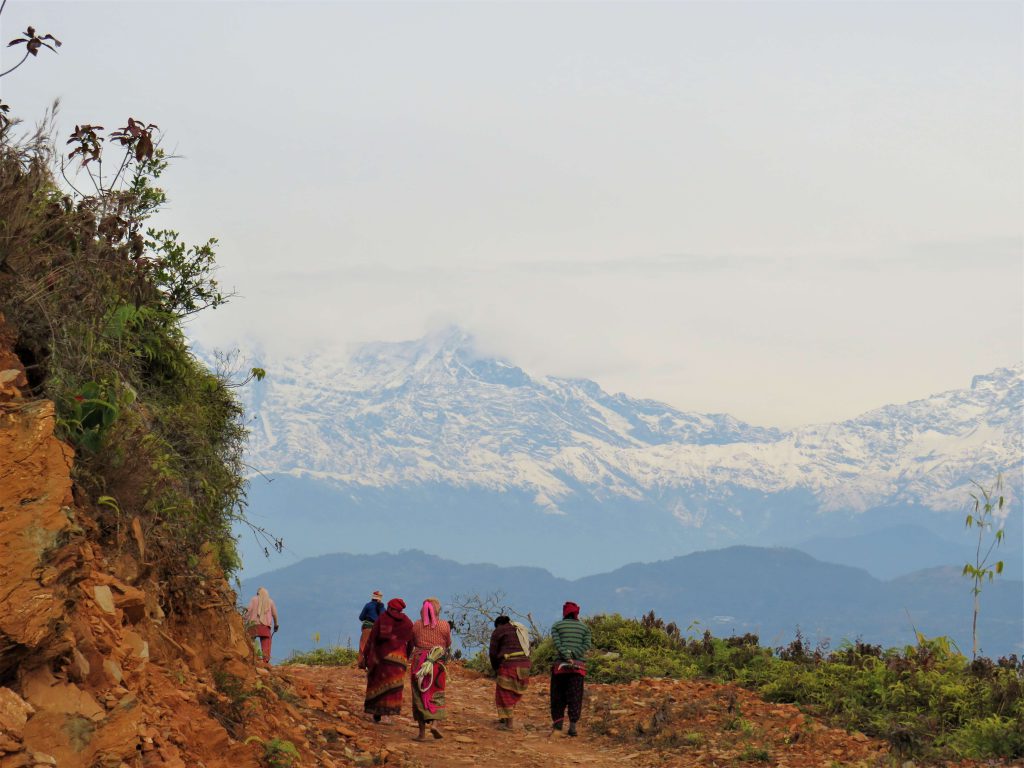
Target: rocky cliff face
(101,664)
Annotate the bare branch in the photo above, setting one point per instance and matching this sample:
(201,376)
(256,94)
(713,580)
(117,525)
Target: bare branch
(23,60)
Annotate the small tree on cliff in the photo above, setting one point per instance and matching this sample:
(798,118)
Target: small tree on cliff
(987,506)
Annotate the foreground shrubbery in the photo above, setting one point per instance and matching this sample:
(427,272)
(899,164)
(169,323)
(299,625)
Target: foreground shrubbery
(925,699)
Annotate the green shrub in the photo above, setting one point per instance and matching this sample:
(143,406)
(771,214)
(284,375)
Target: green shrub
(480,662)
(279,753)
(542,657)
(634,663)
(755,755)
(614,633)
(992,736)
(332,656)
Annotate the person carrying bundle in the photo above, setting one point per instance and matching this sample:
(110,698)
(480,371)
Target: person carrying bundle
(510,659)
(431,642)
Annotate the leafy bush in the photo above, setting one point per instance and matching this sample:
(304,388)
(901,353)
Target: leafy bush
(614,633)
(542,656)
(633,663)
(480,662)
(279,753)
(755,755)
(991,736)
(331,656)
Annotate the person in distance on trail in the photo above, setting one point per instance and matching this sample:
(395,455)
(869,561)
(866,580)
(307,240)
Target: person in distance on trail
(387,657)
(572,641)
(260,615)
(510,659)
(368,616)
(431,642)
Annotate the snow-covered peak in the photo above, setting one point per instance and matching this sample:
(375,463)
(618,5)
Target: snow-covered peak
(1001,379)
(413,354)
(434,410)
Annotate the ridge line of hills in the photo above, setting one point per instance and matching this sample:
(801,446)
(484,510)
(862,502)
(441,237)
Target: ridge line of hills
(768,591)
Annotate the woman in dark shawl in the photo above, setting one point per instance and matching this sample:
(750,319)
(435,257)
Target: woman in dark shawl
(510,659)
(387,659)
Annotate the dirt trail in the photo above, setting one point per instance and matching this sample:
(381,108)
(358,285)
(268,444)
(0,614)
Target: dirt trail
(335,697)
(470,736)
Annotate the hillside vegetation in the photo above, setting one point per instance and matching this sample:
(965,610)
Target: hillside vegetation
(926,699)
(97,299)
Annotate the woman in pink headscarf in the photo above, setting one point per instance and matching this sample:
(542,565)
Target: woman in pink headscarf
(431,640)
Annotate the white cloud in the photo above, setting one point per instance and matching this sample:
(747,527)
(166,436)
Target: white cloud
(791,212)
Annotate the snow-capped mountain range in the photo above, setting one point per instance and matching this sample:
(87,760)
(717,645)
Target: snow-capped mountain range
(433,412)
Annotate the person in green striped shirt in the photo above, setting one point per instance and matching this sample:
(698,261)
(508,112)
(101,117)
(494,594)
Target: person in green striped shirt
(572,641)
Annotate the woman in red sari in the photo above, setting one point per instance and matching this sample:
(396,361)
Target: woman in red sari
(387,657)
(431,639)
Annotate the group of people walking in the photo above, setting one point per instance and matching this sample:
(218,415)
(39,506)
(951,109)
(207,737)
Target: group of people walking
(391,644)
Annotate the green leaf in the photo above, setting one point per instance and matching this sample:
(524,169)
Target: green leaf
(109,501)
(999,567)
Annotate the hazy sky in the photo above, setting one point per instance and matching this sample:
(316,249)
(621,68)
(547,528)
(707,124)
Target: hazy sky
(791,212)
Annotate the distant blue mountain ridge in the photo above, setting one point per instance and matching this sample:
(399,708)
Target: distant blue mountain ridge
(768,591)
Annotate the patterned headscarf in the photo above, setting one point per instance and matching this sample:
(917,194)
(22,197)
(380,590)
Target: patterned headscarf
(428,614)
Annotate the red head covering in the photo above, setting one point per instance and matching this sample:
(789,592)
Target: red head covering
(570,609)
(390,634)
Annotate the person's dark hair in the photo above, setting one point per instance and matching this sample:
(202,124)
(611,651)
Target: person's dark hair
(501,620)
